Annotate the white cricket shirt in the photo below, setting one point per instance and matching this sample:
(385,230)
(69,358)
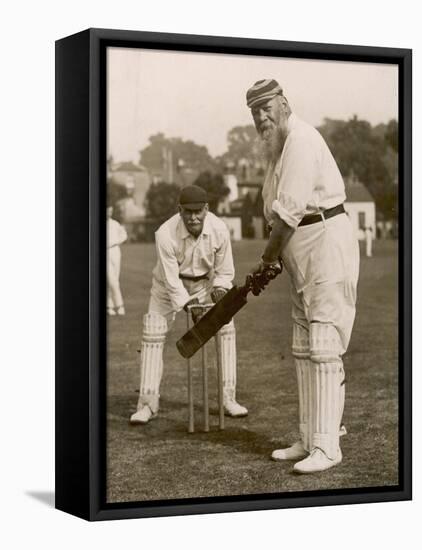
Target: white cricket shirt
(305,179)
(178,252)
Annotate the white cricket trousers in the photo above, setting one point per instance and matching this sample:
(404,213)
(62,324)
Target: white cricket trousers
(323,261)
(114,295)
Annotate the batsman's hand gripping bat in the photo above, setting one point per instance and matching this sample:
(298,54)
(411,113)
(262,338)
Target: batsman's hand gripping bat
(223,311)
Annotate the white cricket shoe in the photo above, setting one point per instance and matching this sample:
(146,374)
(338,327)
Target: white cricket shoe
(121,310)
(111,311)
(295,452)
(142,416)
(317,461)
(232,408)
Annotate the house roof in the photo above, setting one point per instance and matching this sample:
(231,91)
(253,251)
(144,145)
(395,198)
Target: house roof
(357,192)
(127,167)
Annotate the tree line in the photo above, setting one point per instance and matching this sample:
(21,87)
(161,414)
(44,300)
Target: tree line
(370,153)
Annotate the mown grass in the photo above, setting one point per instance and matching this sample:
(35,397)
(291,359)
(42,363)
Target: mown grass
(162,461)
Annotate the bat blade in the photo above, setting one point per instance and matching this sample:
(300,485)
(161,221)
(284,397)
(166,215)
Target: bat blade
(212,322)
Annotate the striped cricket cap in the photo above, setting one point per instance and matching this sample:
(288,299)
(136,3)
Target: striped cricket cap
(262,91)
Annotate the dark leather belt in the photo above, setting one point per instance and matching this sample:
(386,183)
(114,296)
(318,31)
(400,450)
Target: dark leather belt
(192,278)
(324,215)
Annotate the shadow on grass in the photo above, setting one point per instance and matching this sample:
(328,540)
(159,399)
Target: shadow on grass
(171,426)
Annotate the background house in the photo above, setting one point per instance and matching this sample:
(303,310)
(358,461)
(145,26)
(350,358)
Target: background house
(136,180)
(242,209)
(360,207)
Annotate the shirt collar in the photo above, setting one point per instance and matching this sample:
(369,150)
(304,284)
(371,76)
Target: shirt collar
(206,230)
(184,233)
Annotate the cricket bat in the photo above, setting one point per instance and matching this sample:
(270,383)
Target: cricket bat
(223,312)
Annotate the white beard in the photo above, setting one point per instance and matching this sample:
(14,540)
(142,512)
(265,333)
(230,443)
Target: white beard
(271,143)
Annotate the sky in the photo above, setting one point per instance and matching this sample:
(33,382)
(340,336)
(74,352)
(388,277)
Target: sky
(201,97)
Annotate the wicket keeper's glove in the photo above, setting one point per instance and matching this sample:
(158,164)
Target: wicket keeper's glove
(196,313)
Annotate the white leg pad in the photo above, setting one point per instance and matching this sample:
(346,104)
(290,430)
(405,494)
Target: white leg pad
(153,337)
(327,382)
(227,350)
(301,353)
(325,343)
(303,372)
(300,342)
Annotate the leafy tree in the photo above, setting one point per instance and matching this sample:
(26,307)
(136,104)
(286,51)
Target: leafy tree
(215,187)
(392,135)
(241,141)
(115,192)
(242,144)
(365,152)
(161,200)
(165,155)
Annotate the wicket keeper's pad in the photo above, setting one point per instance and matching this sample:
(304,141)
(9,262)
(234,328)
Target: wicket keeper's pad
(153,337)
(212,321)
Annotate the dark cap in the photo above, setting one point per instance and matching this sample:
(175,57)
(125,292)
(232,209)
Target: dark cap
(193,195)
(262,91)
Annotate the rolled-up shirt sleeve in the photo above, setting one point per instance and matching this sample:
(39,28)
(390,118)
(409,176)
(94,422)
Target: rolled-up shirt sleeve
(296,183)
(223,263)
(170,269)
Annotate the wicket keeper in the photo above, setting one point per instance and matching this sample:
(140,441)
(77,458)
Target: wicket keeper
(303,195)
(194,264)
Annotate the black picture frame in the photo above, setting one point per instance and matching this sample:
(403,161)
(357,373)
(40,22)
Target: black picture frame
(80,272)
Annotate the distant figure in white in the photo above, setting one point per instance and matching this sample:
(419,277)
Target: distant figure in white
(116,235)
(368,241)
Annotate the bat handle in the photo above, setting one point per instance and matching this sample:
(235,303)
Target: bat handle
(273,270)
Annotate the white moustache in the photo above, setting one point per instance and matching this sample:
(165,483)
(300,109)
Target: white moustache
(266,132)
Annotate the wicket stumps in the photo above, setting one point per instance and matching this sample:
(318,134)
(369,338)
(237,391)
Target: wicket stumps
(204,365)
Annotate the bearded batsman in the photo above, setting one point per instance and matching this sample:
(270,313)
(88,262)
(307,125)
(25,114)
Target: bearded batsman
(303,195)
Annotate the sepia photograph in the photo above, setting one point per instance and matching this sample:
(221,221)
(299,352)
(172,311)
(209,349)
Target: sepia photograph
(252,308)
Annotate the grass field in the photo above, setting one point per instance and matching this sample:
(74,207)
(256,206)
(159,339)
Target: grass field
(162,461)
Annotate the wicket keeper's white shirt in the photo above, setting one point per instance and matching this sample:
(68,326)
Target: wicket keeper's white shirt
(178,252)
(305,179)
